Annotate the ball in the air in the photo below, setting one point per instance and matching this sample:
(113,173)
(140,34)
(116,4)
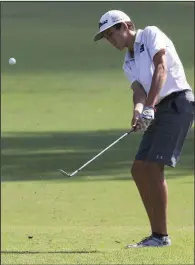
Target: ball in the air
(12,61)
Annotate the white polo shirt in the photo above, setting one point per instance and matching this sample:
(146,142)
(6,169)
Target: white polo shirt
(141,68)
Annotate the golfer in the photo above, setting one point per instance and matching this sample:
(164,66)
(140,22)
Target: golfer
(163,108)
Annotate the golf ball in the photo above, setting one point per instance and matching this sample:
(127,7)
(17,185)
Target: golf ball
(12,61)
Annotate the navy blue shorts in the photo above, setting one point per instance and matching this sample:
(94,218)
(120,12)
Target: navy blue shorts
(162,142)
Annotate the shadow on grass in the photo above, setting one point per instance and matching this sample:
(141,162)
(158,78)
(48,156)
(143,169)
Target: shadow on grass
(38,156)
(51,252)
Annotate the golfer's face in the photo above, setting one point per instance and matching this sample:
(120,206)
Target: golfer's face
(115,37)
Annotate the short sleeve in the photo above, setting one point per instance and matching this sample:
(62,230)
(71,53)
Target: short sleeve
(155,40)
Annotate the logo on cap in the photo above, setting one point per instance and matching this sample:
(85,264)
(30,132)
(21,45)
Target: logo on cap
(115,19)
(102,23)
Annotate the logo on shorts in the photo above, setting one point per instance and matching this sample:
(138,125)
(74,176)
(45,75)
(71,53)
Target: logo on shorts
(141,48)
(159,157)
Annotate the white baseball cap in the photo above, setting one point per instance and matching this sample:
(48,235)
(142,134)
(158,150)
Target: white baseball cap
(110,19)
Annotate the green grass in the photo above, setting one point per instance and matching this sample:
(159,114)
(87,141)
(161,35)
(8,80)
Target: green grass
(69,217)
(64,101)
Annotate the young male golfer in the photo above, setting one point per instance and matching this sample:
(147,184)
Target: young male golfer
(163,107)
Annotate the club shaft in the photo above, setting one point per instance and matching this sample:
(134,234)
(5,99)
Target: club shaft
(125,134)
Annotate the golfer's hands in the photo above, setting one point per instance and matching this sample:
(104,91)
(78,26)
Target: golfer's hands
(146,117)
(143,120)
(135,123)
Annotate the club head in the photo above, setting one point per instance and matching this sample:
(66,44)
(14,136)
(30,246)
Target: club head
(64,172)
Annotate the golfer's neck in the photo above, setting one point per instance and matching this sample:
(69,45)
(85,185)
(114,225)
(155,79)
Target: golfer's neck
(130,47)
(131,50)
(131,44)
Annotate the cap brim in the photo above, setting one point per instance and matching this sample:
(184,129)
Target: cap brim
(98,36)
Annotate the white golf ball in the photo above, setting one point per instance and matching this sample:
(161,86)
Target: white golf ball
(12,61)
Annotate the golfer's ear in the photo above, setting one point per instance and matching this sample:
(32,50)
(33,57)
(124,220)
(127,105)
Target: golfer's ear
(130,25)
(125,25)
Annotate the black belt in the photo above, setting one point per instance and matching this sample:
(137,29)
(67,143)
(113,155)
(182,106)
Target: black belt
(172,96)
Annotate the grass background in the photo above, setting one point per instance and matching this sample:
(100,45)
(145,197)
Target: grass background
(64,101)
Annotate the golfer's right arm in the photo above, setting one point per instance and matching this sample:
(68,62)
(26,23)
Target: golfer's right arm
(139,98)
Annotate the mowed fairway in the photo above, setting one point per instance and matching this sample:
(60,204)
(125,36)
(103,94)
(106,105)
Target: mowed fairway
(62,103)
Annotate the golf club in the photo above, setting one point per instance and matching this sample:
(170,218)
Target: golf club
(79,169)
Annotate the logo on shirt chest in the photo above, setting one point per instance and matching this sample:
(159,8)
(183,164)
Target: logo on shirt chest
(128,64)
(142,48)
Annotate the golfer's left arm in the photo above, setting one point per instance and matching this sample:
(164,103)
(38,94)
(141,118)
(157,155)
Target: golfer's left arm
(158,79)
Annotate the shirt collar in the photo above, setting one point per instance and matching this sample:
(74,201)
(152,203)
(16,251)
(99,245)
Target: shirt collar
(138,36)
